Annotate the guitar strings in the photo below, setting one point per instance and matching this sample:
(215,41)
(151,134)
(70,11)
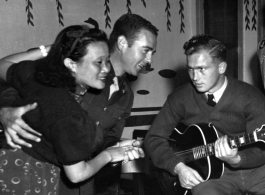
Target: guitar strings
(247,138)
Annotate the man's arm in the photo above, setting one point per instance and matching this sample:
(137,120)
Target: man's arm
(6,62)
(13,124)
(157,139)
(253,155)
(187,176)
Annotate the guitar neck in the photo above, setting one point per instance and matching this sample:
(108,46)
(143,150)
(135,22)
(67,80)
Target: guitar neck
(209,149)
(236,142)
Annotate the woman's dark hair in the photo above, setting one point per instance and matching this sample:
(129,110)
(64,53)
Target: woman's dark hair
(71,43)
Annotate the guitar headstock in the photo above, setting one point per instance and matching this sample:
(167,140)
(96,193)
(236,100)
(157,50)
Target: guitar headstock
(260,133)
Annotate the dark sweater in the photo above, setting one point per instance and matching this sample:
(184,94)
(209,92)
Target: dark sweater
(241,109)
(67,132)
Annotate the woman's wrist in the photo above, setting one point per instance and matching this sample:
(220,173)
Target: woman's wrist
(43,51)
(106,155)
(37,52)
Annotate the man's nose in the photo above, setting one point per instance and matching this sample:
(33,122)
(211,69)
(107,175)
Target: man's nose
(195,75)
(149,57)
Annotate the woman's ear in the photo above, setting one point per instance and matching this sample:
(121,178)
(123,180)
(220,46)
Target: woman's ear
(122,42)
(70,64)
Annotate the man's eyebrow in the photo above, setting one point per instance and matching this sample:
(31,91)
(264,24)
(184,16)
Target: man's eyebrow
(150,48)
(197,67)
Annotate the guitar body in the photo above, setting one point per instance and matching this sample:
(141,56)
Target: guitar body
(208,167)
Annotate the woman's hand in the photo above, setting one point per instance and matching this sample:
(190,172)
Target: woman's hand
(85,169)
(137,151)
(117,154)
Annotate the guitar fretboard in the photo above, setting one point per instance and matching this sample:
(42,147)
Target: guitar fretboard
(234,142)
(242,140)
(203,151)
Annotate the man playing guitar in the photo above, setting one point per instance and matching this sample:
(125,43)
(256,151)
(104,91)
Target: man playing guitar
(237,108)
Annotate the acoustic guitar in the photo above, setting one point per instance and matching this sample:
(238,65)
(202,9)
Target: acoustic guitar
(196,147)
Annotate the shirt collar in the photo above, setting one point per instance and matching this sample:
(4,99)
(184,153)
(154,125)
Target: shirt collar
(80,89)
(121,78)
(218,94)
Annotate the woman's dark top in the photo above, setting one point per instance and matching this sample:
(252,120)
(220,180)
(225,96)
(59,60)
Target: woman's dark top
(67,132)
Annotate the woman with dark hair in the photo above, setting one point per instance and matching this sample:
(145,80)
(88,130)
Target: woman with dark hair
(76,61)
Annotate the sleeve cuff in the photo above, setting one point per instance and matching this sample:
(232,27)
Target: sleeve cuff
(243,159)
(172,165)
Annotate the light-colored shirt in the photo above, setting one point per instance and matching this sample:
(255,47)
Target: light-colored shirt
(218,94)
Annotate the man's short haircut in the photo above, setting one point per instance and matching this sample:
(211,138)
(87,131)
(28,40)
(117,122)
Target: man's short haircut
(129,25)
(207,43)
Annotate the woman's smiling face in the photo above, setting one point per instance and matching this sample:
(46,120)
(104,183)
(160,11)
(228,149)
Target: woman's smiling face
(94,66)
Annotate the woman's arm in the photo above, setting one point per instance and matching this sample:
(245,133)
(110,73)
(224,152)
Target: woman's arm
(86,169)
(6,62)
